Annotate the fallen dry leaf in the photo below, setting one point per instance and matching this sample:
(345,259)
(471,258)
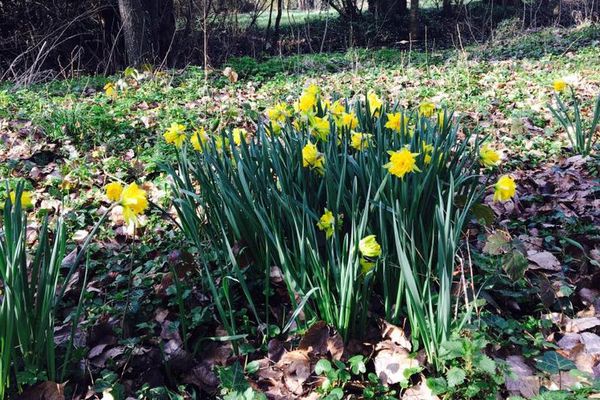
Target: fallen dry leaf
(582,324)
(391,360)
(296,370)
(44,391)
(521,381)
(543,260)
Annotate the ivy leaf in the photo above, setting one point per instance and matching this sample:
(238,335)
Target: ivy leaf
(483,213)
(552,363)
(232,378)
(455,376)
(497,243)
(515,264)
(323,366)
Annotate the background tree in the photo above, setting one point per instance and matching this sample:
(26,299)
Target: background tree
(414,19)
(148,29)
(387,9)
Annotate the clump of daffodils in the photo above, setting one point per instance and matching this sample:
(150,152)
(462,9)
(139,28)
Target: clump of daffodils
(132,198)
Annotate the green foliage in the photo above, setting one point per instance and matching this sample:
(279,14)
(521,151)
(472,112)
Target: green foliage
(234,386)
(470,373)
(338,374)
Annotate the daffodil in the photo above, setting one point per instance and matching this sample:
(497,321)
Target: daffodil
(132,198)
(175,134)
(320,127)
(402,162)
(239,135)
(441,119)
(360,141)
(306,103)
(366,265)
(369,247)
(114,191)
(198,139)
(337,109)
(427,109)
(505,188)
(559,85)
(327,223)
(110,90)
(279,113)
(427,151)
(313,89)
(26,200)
(488,156)
(375,104)
(311,157)
(395,121)
(349,120)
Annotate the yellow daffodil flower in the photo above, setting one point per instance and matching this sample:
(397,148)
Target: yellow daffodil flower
(175,134)
(110,90)
(306,103)
(488,156)
(402,162)
(198,139)
(360,141)
(369,247)
(320,127)
(375,104)
(395,121)
(327,223)
(279,113)
(349,120)
(441,119)
(559,85)
(505,188)
(26,200)
(427,109)
(114,191)
(427,151)
(311,157)
(337,109)
(132,198)
(239,135)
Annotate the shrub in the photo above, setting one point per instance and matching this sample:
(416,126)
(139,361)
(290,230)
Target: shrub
(353,200)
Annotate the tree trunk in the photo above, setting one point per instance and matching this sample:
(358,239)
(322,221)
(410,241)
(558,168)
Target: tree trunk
(447,8)
(148,28)
(109,17)
(278,21)
(414,19)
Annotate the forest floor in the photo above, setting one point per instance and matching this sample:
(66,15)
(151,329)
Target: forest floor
(539,313)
